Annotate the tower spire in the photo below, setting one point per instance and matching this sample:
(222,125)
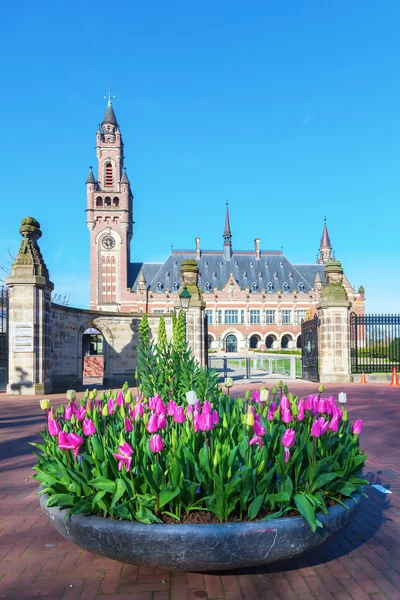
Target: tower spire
(109,116)
(227,236)
(325,248)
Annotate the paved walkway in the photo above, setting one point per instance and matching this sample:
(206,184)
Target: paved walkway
(363,563)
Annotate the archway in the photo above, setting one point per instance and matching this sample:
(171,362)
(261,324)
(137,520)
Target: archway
(269,341)
(298,342)
(231,343)
(209,341)
(254,342)
(285,340)
(93,357)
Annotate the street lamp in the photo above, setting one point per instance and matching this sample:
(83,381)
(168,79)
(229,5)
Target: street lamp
(184,298)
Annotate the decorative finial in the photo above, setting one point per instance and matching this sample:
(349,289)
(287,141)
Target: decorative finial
(324,219)
(109,96)
(227,202)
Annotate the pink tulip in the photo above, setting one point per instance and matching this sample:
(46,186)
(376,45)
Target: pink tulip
(258,428)
(124,456)
(179,415)
(205,422)
(316,429)
(152,425)
(206,408)
(152,403)
(80,414)
(256,396)
(286,416)
(137,412)
(53,427)
(88,427)
(270,415)
(70,441)
(73,406)
(273,406)
(120,399)
(323,424)
(171,408)
(288,438)
(156,443)
(256,440)
(300,416)
(128,425)
(356,428)
(286,454)
(68,412)
(321,406)
(334,424)
(110,405)
(215,417)
(284,403)
(160,407)
(161,421)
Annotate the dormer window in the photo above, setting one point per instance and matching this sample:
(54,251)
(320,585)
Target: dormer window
(175,286)
(208,286)
(109,175)
(254,287)
(270,288)
(285,287)
(300,287)
(159,286)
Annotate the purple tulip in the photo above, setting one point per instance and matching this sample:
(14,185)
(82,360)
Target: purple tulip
(334,424)
(270,415)
(53,427)
(288,438)
(120,399)
(258,428)
(179,415)
(171,408)
(152,425)
(356,428)
(284,403)
(88,427)
(68,412)
(273,406)
(256,440)
(286,416)
(156,443)
(80,414)
(128,425)
(162,421)
(124,456)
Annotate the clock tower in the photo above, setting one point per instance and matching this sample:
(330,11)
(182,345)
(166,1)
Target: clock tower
(109,217)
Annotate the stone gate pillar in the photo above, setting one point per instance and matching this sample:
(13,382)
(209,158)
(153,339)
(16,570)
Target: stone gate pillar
(195,331)
(29,316)
(334,335)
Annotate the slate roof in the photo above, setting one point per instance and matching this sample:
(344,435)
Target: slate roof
(110,117)
(271,272)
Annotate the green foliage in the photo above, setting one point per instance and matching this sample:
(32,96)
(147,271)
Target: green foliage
(179,332)
(144,330)
(162,334)
(394,350)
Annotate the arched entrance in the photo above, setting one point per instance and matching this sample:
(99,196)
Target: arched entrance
(231,343)
(285,341)
(209,341)
(269,341)
(298,343)
(93,357)
(254,341)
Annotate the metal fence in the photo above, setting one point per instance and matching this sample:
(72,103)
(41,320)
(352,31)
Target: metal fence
(269,366)
(3,338)
(374,343)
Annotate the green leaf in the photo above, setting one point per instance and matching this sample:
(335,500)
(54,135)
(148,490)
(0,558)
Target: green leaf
(60,500)
(102,483)
(167,495)
(255,506)
(322,480)
(120,490)
(306,510)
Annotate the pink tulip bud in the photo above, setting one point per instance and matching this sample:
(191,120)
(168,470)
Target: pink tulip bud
(160,407)
(80,414)
(284,403)
(273,406)
(288,438)
(286,416)
(270,415)
(171,408)
(124,456)
(128,425)
(258,428)
(316,429)
(206,407)
(334,424)
(88,427)
(215,417)
(110,406)
(256,440)
(120,399)
(162,421)
(53,427)
(321,406)
(152,425)
(256,396)
(156,443)
(68,412)
(179,415)
(324,425)
(300,416)
(356,428)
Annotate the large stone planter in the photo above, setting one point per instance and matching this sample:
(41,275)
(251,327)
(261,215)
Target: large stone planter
(200,547)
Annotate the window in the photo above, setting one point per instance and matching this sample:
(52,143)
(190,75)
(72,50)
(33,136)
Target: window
(209,315)
(300,287)
(219,317)
(158,311)
(109,175)
(115,202)
(242,317)
(254,316)
(93,345)
(175,286)
(107,201)
(254,287)
(269,316)
(159,286)
(99,201)
(270,288)
(286,317)
(301,315)
(231,316)
(285,287)
(208,286)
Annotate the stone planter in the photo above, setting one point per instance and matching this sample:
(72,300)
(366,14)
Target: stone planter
(200,547)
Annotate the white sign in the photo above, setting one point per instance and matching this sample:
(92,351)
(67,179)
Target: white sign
(23,337)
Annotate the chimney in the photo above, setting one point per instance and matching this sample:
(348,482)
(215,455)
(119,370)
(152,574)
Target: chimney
(197,247)
(257,248)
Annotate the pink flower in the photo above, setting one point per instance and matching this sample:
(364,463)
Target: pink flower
(152,403)
(152,425)
(284,403)
(88,427)
(68,412)
(356,428)
(322,406)
(286,454)
(161,421)
(128,425)
(171,408)
(137,412)
(206,407)
(160,407)
(256,396)
(316,430)
(179,415)
(258,428)
(110,405)
(288,438)
(334,424)
(270,415)
(324,425)
(273,406)
(256,440)
(205,422)
(124,456)
(120,399)
(80,413)
(300,416)
(286,416)
(53,427)
(70,441)
(156,443)
(215,417)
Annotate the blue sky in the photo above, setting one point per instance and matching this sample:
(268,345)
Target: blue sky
(288,109)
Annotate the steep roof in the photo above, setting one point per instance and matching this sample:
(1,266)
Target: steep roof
(325,241)
(109,116)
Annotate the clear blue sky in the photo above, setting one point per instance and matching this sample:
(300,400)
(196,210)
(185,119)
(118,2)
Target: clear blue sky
(291,110)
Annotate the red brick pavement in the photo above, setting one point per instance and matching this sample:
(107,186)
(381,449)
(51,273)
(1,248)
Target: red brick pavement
(363,563)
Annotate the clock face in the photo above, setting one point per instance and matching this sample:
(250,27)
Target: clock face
(108,242)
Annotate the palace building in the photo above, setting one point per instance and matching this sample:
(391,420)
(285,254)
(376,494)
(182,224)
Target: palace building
(254,298)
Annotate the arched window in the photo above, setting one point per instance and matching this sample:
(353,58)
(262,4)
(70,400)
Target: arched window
(298,343)
(269,342)
(254,341)
(285,341)
(285,287)
(99,201)
(107,201)
(270,288)
(300,287)
(208,286)
(109,175)
(254,287)
(231,343)
(116,202)
(175,286)
(159,286)
(209,341)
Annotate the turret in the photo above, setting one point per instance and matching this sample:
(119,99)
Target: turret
(325,248)
(227,236)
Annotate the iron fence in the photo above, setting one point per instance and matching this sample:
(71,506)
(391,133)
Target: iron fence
(374,343)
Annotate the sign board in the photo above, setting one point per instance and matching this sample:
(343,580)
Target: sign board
(262,348)
(23,337)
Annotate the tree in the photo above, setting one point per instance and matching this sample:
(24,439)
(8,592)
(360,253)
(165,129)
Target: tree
(394,350)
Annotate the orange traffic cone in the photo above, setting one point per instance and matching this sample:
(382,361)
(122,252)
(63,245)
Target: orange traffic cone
(395,379)
(363,378)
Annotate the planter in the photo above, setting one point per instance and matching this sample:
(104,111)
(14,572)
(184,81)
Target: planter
(200,547)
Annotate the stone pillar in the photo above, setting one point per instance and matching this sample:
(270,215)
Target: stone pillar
(195,333)
(334,331)
(29,317)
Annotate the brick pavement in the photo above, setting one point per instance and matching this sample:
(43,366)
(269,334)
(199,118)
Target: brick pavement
(363,563)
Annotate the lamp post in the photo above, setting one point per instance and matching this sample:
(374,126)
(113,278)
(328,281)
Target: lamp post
(184,298)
